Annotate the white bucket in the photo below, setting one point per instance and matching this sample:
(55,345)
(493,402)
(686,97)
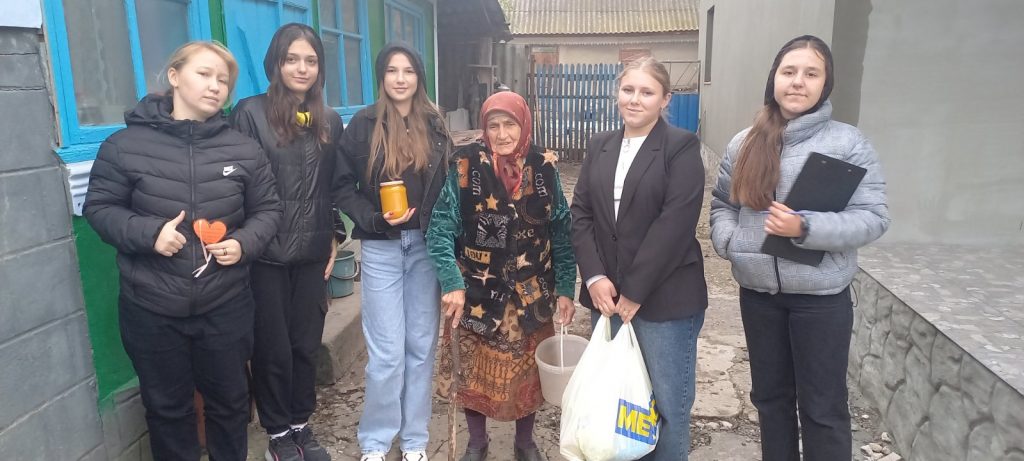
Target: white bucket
(557,357)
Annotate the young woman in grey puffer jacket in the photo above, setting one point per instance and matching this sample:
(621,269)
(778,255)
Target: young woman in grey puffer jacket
(797,318)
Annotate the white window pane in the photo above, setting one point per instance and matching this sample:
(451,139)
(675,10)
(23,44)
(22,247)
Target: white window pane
(328,13)
(333,56)
(353,72)
(350,16)
(163,27)
(101,60)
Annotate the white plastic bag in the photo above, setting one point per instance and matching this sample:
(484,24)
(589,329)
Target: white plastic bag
(608,409)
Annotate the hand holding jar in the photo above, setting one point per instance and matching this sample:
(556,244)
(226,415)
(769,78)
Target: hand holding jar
(394,203)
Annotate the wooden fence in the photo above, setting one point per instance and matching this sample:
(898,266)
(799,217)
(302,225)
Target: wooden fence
(570,103)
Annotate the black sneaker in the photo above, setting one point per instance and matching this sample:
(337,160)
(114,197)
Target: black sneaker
(283,448)
(311,449)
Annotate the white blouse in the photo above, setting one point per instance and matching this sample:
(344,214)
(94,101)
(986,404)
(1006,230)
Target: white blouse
(627,153)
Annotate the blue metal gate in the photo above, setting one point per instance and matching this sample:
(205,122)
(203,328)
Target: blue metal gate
(684,111)
(571,102)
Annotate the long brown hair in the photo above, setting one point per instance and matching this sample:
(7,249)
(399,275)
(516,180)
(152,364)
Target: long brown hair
(756,174)
(282,103)
(401,148)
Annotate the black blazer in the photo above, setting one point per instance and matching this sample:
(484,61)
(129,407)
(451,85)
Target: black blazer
(650,252)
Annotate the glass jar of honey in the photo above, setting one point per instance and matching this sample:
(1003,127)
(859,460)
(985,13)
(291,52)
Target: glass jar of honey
(393,198)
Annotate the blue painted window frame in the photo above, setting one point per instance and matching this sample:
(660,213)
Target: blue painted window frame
(412,10)
(346,110)
(80,143)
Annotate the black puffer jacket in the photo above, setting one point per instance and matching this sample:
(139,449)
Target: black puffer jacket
(156,167)
(303,170)
(361,201)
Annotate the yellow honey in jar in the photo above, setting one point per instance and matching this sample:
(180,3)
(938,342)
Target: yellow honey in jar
(393,198)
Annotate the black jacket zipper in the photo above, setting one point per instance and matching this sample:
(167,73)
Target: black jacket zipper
(192,216)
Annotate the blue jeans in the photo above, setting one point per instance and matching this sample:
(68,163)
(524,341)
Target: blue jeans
(670,353)
(401,313)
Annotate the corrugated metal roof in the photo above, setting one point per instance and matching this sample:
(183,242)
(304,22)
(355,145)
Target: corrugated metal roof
(601,17)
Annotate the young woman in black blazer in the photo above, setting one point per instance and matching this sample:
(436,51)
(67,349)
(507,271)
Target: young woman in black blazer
(635,211)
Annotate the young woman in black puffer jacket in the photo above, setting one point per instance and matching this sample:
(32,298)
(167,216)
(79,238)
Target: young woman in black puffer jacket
(186,309)
(300,135)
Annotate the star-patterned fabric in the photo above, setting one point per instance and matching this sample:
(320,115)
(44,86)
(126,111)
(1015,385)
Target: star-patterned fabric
(504,250)
(513,256)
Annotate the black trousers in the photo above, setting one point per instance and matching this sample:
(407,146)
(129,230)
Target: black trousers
(175,356)
(799,349)
(291,303)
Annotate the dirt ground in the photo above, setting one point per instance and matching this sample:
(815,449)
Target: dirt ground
(724,426)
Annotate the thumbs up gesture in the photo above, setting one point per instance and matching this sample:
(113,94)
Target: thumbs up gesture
(170,241)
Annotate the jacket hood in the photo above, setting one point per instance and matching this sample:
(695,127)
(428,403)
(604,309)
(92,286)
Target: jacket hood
(154,110)
(398,47)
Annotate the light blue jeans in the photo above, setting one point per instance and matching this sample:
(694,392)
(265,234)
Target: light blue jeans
(670,353)
(401,313)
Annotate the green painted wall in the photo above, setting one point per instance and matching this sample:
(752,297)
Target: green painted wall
(98,268)
(217,28)
(430,58)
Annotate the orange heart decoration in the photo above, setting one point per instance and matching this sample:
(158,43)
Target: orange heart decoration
(209,232)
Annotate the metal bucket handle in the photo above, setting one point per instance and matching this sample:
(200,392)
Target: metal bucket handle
(355,272)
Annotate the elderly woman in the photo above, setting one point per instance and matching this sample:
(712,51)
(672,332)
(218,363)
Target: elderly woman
(500,239)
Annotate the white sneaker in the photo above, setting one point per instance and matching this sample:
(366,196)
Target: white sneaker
(374,456)
(414,456)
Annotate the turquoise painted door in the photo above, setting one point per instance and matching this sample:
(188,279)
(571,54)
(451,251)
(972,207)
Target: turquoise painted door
(250,24)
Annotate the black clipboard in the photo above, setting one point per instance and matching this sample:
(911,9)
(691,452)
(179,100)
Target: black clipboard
(824,184)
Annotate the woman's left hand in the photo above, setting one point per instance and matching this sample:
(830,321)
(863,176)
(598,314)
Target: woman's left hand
(452,304)
(227,252)
(626,309)
(566,311)
(330,262)
(782,221)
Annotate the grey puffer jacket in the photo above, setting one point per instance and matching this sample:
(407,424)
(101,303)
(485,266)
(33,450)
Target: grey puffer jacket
(737,232)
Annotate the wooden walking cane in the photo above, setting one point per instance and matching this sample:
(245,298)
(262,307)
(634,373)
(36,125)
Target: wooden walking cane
(453,392)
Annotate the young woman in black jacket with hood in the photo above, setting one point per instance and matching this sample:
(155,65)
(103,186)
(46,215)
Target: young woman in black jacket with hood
(300,135)
(186,309)
(400,137)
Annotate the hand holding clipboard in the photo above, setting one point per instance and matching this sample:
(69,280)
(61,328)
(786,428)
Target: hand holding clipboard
(825,184)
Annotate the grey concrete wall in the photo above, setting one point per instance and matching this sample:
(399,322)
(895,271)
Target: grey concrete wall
(849,40)
(746,37)
(941,100)
(48,406)
(938,400)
